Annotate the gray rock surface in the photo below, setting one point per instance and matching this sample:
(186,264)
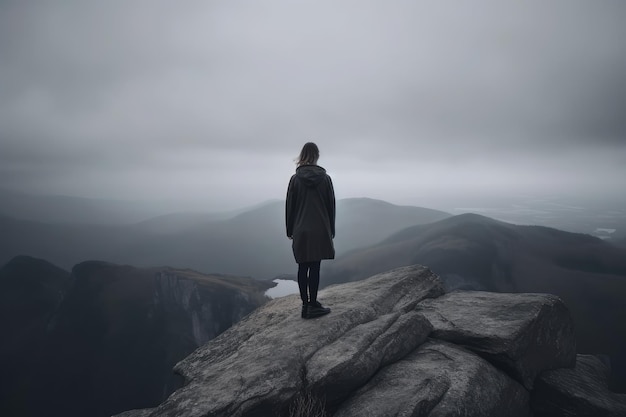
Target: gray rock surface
(439,379)
(344,365)
(581,391)
(394,345)
(524,334)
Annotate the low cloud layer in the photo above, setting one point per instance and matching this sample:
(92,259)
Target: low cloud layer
(211,101)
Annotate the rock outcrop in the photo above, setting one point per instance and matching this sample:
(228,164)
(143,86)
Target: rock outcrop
(394,345)
(524,334)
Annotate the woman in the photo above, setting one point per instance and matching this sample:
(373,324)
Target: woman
(310,218)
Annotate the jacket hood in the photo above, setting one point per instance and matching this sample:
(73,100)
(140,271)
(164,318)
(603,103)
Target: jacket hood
(310,175)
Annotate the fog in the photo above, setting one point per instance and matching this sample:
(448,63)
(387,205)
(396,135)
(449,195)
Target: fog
(204,105)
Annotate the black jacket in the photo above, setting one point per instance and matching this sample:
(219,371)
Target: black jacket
(310,214)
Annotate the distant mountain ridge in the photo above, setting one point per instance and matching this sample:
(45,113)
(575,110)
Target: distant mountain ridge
(250,243)
(474,252)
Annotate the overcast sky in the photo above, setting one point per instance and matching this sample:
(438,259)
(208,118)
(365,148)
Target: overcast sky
(408,100)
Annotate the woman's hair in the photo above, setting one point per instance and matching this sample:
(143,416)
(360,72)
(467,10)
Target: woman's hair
(309,154)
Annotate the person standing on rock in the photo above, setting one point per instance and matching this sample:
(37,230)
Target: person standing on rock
(310,219)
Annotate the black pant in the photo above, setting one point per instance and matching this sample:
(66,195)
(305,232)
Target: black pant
(309,279)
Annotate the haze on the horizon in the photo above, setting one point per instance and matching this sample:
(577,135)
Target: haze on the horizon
(210,102)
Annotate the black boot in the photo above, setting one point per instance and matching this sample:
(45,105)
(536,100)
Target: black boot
(316,309)
(305,310)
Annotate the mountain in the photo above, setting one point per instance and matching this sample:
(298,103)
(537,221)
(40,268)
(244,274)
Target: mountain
(105,337)
(402,348)
(364,221)
(250,243)
(31,291)
(478,253)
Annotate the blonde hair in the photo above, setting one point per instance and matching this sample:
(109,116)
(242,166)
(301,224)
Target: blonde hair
(309,154)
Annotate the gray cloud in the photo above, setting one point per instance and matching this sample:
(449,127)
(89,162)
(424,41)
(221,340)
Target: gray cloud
(136,98)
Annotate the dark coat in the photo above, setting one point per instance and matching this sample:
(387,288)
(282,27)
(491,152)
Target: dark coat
(310,214)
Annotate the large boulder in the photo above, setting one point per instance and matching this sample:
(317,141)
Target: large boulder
(582,391)
(524,334)
(439,379)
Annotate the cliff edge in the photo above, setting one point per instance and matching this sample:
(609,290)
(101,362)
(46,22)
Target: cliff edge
(396,345)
